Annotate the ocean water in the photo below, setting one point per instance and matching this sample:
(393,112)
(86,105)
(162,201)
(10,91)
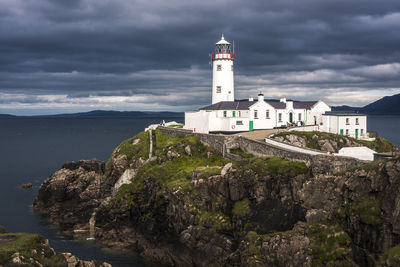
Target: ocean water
(31,149)
(386,126)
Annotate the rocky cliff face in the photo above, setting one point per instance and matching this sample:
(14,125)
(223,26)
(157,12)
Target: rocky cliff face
(329,142)
(188,206)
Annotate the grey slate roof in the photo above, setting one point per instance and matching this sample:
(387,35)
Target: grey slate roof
(277,104)
(343,113)
(245,104)
(303,104)
(230,105)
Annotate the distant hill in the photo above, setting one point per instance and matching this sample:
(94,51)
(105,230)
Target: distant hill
(6,116)
(388,105)
(109,114)
(385,105)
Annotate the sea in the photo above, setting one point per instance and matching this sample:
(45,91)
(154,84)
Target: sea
(32,148)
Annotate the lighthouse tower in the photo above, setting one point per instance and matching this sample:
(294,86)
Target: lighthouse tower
(222,82)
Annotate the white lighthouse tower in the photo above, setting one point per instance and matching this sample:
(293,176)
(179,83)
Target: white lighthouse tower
(222,82)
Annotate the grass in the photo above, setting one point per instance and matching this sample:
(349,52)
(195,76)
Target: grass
(127,148)
(391,257)
(242,208)
(176,173)
(240,152)
(24,244)
(272,166)
(329,244)
(216,221)
(180,126)
(379,144)
(367,209)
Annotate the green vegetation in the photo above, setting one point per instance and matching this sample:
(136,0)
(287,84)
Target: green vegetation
(28,246)
(176,126)
(242,208)
(367,209)
(128,148)
(216,221)
(379,144)
(329,245)
(312,138)
(272,166)
(137,146)
(240,152)
(174,173)
(391,257)
(2,230)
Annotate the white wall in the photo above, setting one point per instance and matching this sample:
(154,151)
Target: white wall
(213,121)
(316,111)
(334,124)
(197,121)
(262,122)
(223,78)
(363,153)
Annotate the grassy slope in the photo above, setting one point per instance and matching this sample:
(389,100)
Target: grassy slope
(379,145)
(177,174)
(24,244)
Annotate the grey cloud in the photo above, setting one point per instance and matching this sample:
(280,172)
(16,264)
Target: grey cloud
(84,48)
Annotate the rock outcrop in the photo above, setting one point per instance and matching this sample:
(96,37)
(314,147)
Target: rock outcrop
(21,249)
(188,206)
(329,142)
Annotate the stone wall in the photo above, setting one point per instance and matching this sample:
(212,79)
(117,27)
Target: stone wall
(317,163)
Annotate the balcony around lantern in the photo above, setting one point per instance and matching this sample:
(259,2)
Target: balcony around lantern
(215,56)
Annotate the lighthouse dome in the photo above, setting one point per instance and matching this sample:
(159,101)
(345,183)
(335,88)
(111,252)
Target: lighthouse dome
(222,41)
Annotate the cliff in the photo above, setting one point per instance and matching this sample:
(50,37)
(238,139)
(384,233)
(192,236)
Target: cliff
(186,205)
(329,142)
(21,249)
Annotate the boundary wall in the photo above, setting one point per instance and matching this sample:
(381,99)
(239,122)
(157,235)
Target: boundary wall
(319,164)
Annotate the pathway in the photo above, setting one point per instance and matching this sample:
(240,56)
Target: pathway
(294,148)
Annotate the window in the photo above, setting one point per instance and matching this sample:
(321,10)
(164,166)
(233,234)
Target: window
(239,122)
(299,116)
(225,113)
(218,89)
(219,67)
(362,132)
(231,67)
(239,114)
(347,121)
(267,114)
(280,117)
(347,131)
(356,121)
(255,114)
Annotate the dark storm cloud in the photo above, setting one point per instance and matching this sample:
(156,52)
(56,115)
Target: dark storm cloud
(90,50)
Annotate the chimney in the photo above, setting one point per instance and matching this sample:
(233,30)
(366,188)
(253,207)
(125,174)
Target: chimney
(260,97)
(251,98)
(283,99)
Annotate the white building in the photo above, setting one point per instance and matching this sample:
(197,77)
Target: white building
(229,115)
(345,123)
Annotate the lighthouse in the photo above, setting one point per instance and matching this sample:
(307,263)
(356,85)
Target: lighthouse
(222,76)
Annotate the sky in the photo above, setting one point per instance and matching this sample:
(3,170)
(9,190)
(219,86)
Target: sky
(60,56)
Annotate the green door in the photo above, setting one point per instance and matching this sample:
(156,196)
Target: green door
(356,133)
(341,131)
(251,126)
(234,114)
